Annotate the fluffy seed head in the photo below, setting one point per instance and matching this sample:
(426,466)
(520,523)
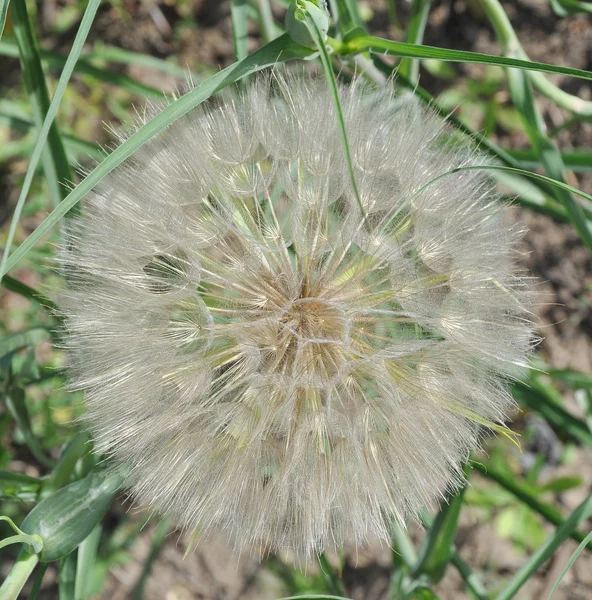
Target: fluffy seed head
(274,356)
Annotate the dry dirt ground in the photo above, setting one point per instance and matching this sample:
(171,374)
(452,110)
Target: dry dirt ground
(553,253)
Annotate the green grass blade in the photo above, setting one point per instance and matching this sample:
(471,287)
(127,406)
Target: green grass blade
(11,116)
(279,50)
(14,285)
(67,577)
(332,580)
(547,152)
(579,161)
(48,124)
(38,581)
(114,54)
(570,562)
(511,46)
(14,399)
(17,341)
(314,597)
(572,378)
(438,544)
(375,44)
(57,61)
(240,33)
(87,554)
(541,399)
(268,26)
(418,18)
(343,16)
(158,540)
(547,548)
(57,169)
(525,493)
(3,14)
(472,582)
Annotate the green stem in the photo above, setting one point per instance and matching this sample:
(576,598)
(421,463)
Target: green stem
(547,548)
(418,19)
(470,578)
(55,162)
(18,576)
(267,22)
(524,493)
(511,46)
(331,578)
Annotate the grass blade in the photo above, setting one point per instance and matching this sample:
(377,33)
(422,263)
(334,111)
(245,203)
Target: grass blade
(114,54)
(570,562)
(418,18)
(279,50)
(268,27)
(539,398)
(580,514)
(3,14)
(55,164)
(84,67)
(48,124)
(240,33)
(525,493)
(14,285)
(438,544)
(511,46)
(87,554)
(522,96)
(370,43)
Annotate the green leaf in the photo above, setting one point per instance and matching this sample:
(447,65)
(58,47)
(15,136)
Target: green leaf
(381,45)
(560,484)
(18,341)
(281,49)
(66,518)
(418,17)
(570,562)
(87,554)
(421,592)
(3,14)
(525,493)
(48,124)
(14,398)
(539,398)
(67,577)
(75,449)
(84,67)
(240,31)
(17,485)
(115,54)
(546,550)
(438,544)
(55,164)
(16,286)
(314,597)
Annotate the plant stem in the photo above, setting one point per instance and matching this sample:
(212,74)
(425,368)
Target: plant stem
(511,46)
(523,492)
(418,18)
(18,576)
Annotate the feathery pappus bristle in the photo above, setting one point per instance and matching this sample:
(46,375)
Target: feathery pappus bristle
(275,354)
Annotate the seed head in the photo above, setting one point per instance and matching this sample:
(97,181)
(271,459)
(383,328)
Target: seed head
(275,355)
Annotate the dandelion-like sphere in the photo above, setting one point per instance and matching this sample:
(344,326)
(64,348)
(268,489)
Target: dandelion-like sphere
(276,353)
